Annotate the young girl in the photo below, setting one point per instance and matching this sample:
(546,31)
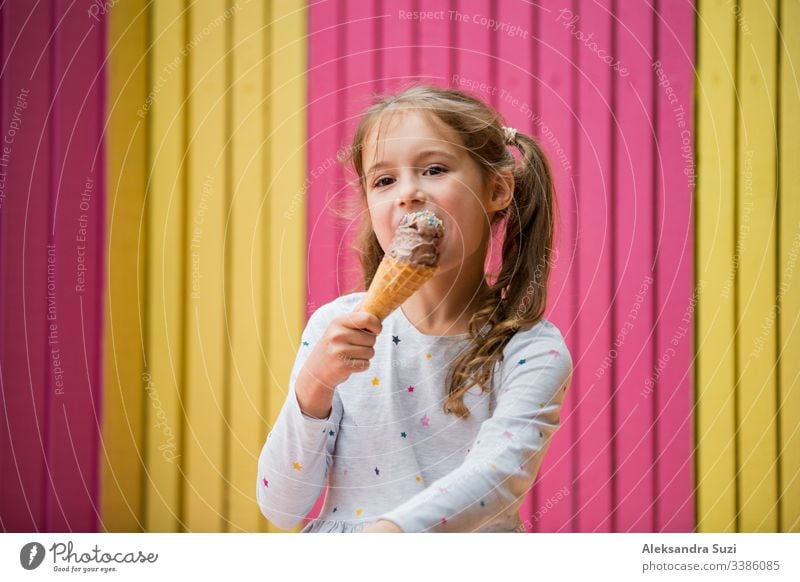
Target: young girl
(438,418)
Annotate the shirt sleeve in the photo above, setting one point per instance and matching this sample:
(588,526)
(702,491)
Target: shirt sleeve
(293,464)
(502,463)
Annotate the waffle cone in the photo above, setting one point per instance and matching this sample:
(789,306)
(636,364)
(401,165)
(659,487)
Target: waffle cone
(394,282)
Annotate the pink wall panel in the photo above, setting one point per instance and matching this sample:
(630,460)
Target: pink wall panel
(52,229)
(78,218)
(632,248)
(358,83)
(27,380)
(323,179)
(579,76)
(434,39)
(552,119)
(323,176)
(674,289)
(399,50)
(591,270)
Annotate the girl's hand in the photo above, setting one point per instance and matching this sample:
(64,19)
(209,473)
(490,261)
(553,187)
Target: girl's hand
(382,526)
(345,348)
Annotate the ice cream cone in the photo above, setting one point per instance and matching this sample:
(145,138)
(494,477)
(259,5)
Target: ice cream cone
(412,259)
(394,282)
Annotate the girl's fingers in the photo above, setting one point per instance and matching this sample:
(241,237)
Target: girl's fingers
(356,358)
(357,337)
(362,321)
(356,363)
(360,352)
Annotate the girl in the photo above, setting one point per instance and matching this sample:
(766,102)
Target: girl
(438,418)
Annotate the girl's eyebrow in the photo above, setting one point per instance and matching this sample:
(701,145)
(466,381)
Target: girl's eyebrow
(419,156)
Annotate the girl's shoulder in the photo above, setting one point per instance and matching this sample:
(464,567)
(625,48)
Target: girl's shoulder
(543,339)
(537,361)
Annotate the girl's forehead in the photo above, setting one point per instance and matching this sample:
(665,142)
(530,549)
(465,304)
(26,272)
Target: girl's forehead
(408,129)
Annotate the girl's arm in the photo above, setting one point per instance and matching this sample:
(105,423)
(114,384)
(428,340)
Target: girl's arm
(293,464)
(382,526)
(504,460)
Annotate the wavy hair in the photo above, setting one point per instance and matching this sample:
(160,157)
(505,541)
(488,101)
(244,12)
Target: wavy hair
(516,297)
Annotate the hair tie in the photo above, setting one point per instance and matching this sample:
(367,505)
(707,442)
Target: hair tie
(510,135)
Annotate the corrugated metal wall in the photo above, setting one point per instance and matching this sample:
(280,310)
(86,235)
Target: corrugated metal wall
(623,274)
(52,236)
(168,221)
(748,224)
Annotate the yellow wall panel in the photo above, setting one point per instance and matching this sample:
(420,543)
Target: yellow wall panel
(286,242)
(248,270)
(207,206)
(714,268)
(122,433)
(165,116)
(206,161)
(788,303)
(748,244)
(757,224)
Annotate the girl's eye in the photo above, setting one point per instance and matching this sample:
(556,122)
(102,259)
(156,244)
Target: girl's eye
(437,169)
(381,182)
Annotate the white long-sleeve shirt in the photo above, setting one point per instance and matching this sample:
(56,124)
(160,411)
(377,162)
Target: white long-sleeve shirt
(390,452)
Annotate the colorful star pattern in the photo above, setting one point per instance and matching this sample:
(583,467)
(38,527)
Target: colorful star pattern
(425,422)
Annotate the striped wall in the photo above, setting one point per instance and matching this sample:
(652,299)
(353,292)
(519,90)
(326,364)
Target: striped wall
(208,169)
(623,461)
(171,214)
(52,236)
(748,224)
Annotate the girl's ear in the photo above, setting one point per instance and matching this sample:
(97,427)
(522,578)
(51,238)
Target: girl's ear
(502,191)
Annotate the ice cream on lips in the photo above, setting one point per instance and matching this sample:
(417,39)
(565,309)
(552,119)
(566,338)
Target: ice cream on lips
(417,239)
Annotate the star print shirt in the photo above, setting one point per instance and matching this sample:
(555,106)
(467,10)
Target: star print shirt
(389,451)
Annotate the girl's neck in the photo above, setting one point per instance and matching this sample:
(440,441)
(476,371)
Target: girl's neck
(445,304)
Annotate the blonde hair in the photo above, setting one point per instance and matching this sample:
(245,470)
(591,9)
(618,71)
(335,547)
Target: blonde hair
(517,298)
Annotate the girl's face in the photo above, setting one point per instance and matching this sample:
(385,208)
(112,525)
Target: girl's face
(419,164)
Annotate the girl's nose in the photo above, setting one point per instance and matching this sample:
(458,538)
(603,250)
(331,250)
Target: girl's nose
(412,196)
